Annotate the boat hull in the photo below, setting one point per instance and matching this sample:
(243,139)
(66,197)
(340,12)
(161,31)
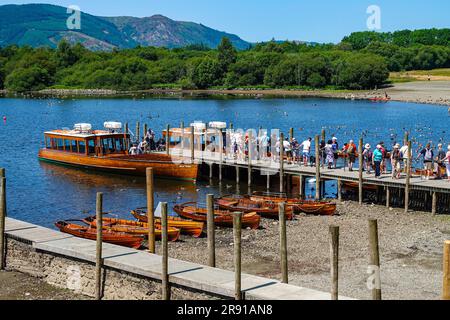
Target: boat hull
(264,209)
(163,165)
(221,218)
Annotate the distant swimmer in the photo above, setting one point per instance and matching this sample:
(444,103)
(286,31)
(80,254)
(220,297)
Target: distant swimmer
(4,117)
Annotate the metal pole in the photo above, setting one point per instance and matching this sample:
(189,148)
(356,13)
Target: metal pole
(334,258)
(281,162)
(237,233)
(168,140)
(165,253)
(211,231)
(150,210)
(283,244)
(192,144)
(99,260)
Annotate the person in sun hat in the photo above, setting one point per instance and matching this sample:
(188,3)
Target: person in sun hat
(396,157)
(377,159)
(367,157)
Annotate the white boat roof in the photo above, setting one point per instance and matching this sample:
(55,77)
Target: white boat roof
(78,134)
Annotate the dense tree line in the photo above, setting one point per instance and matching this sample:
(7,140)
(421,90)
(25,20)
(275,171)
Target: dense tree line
(360,61)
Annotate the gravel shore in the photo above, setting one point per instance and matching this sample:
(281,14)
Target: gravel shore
(411,247)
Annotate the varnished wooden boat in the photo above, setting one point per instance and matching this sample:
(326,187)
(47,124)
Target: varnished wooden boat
(187,227)
(117,238)
(266,209)
(223,218)
(133,227)
(325,208)
(105,151)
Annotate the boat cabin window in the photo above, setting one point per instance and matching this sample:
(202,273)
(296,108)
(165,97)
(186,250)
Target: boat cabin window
(113,145)
(91,145)
(82,147)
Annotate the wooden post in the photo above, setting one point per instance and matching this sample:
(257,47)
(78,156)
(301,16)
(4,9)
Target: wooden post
(168,140)
(388,197)
(2,219)
(408,176)
(238,178)
(339,189)
(211,171)
(291,134)
(281,162)
(145,129)
(268,181)
(150,210)
(231,126)
(406,139)
(127,142)
(192,144)
(250,154)
(375,257)
(324,135)
(138,132)
(220,154)
(318,195)
(182,137)
(283,243)
(360,156)
(237,233)
(446,282)
(99,260)
(334,258)
(434,203)
(301,187)
(165,253)
(211,228)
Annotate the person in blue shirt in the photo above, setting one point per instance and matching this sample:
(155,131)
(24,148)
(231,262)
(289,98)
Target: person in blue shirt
(377,160)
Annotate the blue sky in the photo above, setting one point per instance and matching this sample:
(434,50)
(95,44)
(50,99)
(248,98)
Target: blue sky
(253,20)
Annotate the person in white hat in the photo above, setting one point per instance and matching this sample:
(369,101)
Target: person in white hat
(367,157)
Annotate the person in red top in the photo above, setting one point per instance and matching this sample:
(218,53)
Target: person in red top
(350,150)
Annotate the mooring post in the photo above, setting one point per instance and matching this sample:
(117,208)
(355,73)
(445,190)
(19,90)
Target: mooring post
(406,139)
(220,154)
(361,168)
(334,258)
(250,155)
(165,252)
(446,282)
(434,203)
(182,137)
(150,210)
(291,134)
(317,147)
(268,181)
(339,189)
(282,162)
(375,258)
(99,260)
(238,178)
(2,219)
(145,129)
(168,140)
(127,142)
(388,197)
(324,135)
(301,187)
(192,144)
(237,233)
(283,243)
(408,176)
(211,231)
(138,132)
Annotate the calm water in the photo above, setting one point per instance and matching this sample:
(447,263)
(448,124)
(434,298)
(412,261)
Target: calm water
(44,193)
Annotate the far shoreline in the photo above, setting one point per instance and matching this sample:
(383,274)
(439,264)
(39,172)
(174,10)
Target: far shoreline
(433,93)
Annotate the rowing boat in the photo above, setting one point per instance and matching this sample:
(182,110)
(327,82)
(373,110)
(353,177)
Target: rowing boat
(110,236)
(133,227)
(187,227)
(266,209)
(223,218)
(323,208)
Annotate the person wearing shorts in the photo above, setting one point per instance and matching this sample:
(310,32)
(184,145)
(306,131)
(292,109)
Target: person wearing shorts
(306,145)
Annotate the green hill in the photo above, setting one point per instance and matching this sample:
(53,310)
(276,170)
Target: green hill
(45,25)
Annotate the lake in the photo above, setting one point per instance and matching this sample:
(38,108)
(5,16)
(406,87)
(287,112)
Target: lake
(44,193)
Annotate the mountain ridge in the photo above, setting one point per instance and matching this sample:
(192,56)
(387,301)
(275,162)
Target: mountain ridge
(45,25)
